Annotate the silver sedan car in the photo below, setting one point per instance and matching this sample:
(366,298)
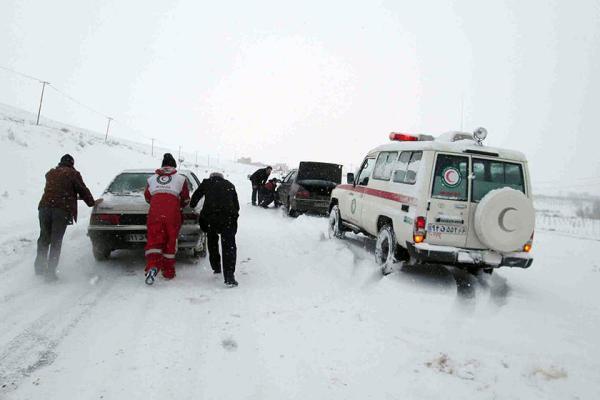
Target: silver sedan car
(119,222)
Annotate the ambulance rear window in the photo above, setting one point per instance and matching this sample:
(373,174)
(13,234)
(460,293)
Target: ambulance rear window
(492,174)
(450,181)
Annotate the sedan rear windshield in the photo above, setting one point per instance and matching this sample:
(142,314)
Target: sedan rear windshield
(129,183)
(491,174)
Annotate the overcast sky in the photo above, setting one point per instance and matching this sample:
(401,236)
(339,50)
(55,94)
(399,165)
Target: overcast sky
(318,80)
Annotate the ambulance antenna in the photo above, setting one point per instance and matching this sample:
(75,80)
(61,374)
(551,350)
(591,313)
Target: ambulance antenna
(462,112)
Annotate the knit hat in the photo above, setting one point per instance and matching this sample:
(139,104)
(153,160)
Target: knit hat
(168,161)
(67,160)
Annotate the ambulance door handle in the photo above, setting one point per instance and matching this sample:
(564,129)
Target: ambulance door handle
(460,206)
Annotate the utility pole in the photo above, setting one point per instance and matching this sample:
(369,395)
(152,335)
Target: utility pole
(107,128)
(196,158)
(179,155)
(208,158)
(44,83)
(152,147)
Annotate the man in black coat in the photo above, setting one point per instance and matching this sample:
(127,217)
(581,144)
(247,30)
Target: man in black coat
(259,178)
(219,216)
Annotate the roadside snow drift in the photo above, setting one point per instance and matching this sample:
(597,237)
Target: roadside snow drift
(312,318)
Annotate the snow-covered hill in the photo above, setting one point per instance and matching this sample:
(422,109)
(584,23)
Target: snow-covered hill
(312,318)
(29,151)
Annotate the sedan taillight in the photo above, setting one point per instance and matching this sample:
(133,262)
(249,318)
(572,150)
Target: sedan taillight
(302,194)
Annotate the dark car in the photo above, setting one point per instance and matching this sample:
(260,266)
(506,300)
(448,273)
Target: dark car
(308,188)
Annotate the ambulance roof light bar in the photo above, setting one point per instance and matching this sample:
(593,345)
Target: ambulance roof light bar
(406,137)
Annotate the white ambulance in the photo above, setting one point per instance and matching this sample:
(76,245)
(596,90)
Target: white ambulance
(448,200)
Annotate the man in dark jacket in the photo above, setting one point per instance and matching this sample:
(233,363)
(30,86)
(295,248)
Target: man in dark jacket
(219,216)
(57,209)
(259,178)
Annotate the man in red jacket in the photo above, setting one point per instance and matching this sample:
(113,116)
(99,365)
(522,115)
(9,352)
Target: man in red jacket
(167,192)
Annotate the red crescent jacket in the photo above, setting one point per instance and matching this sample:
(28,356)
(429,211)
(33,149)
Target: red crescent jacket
(167,191)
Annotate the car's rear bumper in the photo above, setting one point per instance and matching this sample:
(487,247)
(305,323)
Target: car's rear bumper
(428,253)
(311,206)
(118,236)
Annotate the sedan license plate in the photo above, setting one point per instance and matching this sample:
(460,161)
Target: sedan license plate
(135,237)
(450,229)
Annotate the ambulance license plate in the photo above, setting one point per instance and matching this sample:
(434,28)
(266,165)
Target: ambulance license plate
(450,229)
(135,237)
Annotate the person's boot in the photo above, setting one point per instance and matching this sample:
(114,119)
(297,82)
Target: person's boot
(39,266)
(50,275)
(151,276)
(230,281)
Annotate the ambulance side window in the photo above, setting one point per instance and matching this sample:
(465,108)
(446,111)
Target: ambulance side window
(413,167)
(365,172)
(407,167)
(384,165)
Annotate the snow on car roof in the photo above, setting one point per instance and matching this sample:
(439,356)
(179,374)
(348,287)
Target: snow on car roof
(442,144)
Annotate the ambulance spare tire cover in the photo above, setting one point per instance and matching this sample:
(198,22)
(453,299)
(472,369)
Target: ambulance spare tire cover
(504,220)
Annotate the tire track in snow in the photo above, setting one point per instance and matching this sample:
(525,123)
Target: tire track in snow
(35,346)
(14,248)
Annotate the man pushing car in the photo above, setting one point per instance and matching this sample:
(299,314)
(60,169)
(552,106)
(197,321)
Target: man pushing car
(167,192)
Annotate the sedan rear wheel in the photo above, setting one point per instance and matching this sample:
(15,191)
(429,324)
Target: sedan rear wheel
(385,249)
(101,251)
(290,210)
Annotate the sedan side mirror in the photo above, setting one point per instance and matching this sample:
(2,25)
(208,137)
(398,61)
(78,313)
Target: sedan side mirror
(350,178)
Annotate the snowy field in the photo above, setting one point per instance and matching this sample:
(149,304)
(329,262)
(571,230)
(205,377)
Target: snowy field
(560,215)
(311,319)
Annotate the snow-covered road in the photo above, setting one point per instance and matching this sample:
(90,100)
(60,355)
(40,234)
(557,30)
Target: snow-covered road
(312,318)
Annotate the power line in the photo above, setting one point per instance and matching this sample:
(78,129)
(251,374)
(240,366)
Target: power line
(74,100)
(21,74)
(71,98)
